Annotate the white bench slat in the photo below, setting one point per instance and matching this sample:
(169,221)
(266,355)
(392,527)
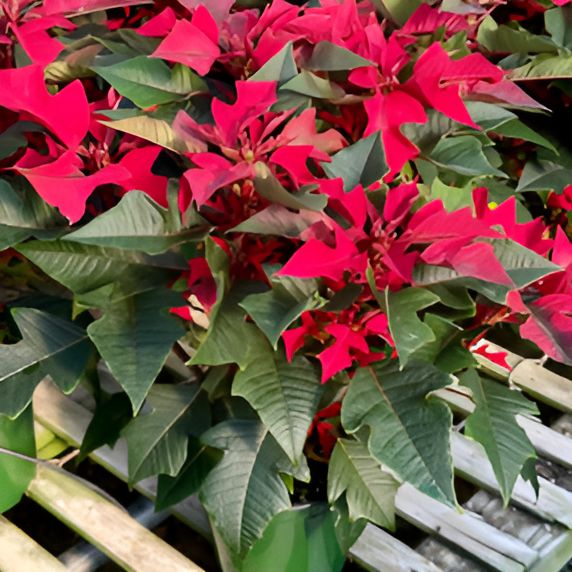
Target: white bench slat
(470,460)
(18,552)
(69,420)
(465,530)
(105,525)
(378,551)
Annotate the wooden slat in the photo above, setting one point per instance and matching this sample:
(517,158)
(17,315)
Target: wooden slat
(378,551)
(105,525)
(69,420)
(19,553)
(490,366)
(470,460)
(556,555)
(498,550)
(543,384)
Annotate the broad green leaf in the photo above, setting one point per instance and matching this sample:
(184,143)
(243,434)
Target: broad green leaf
(136,223)
(453,198)
(285,396)
(269,187)
(157,440)
(16,474)
(150,81)
(511,39)
(409,430)
(360,163)
(544,66)
(110,417)
(134,337)
(307,543)
(244,491)
(558,23)
(493,424)
(311,85)
(152,129)
(201,459)
(407,330)
(397,10)
(331,57)
(49,346)
(544,176)
(87,269)
(274,310)
(279,221)
(464,155)
(487,115)
(369,490)
(518,130)
(24,214)
(280,68)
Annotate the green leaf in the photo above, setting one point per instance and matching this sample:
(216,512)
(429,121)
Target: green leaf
(277,220)
(453,198)
(370,491)
(409,431)
(16,474)
(558,23)
(200,461)
(285,396)
(157,441)
(518,130)
(152,129)
(302,539)
(407,330)
(464,155)
(149,81)
(544,66)
(360,163)
(111,416)
(134,337)
(512,39)
(49,346)
(136,223)
(397,10)
(269,187)
(87,269)
(244,491)
(311,85)
(544,176)
(493,424)
(274,310)
(331,57)
(280,68)
(24,214)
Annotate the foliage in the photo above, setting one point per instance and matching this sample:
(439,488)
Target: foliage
(319,208)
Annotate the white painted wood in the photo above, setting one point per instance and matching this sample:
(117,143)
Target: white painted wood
(378,551)
(465,530)
(470,460)
(69,420)
(105,525)
(19,553)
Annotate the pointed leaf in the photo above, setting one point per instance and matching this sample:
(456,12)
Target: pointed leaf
(285,396)
(331,57)
(279,68)
(369,490)
(134,337)
(544,176)
(493,424)
(409,431)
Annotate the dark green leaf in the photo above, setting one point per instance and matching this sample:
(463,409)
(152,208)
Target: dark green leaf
(285,396)
(397,10)
(331,57)
(518,130)
(407,330)
(493,424)
(544,176)
(134,337)
(360,163)
(311,85)
(136,223)
(409,431)
(244,491)
(157,441)
(544,66)
(280,68)
(369,490)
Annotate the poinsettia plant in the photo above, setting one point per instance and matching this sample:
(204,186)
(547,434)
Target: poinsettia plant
(285,229)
